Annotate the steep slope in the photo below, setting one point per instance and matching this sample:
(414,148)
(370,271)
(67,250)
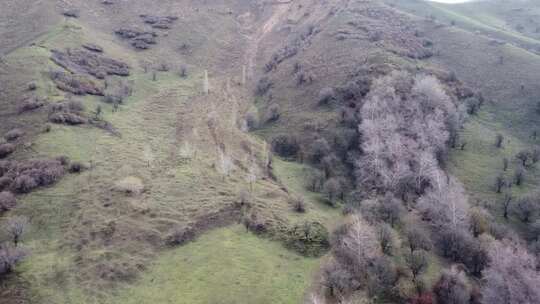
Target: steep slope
(181,155)
(170,162)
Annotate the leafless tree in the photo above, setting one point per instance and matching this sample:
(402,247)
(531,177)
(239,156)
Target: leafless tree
(387,238)
(511,277)
(15,227)
(452,288)
(417,263)
(499,140)
(356,245)
(500,182)
(506,203)
(332,189)
(9,257)
(418,239)
(526,208)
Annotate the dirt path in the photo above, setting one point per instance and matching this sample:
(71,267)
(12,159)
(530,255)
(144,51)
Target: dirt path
(250,58)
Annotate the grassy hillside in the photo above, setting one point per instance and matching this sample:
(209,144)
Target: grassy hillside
(90,241)
(194,162)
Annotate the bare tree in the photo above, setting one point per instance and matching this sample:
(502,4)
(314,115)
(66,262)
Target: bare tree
(387,238)
(355,244)
(417,263)
(446,205)
(15,228)
(523,156)
(499,140)
(418,239)
(511,277)
(452,288)
(505,164)
(390,209)
(500,182)
(332,189)
(9,257)
(506,203)
(526,208)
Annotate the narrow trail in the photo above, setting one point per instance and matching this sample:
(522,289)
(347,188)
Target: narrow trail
(197,118)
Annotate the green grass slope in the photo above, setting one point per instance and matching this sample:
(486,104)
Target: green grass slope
(75,258)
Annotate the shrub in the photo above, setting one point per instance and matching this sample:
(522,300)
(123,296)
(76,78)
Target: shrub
(30,105)
(274,112)
(32,86)
(252,119)
(326,95)
(24,184)
(14,134)
(180,235)
(319,149)
(67,119)
(163,67)
(6,149)
(31,174)
(183,71)
(244,198)
(255,224)
(9,257)
(285,146)
(7,201)
(130,185)
(76,167)
(15,228)
(263,86)
(309,239)
(113,99)
(298,204)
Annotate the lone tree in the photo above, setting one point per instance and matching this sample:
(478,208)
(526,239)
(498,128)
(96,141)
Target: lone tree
(505,164)
(499,140)
(332,189)
(500,182)
(15,228)
(506,203)
(519,176)
(526,208)
(523,156)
